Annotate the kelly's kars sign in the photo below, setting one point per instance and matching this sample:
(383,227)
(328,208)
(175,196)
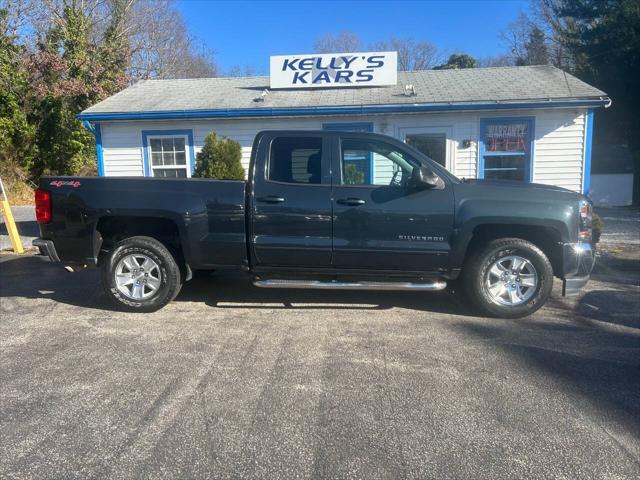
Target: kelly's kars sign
(334,70)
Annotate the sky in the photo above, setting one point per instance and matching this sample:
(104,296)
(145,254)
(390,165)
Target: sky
(247,33)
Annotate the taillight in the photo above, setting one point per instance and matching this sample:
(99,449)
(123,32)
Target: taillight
(43,206)
(586,216)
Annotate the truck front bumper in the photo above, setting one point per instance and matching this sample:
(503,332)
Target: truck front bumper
(46,248)
(578,261)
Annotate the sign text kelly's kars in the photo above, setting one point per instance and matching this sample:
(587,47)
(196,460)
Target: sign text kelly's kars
(334,70)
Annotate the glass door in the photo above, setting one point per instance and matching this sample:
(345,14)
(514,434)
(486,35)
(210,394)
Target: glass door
(434,142)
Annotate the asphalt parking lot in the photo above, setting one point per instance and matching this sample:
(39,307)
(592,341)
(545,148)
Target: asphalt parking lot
(230,381)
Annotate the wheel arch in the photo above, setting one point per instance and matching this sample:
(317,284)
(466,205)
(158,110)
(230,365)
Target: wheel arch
(114,228)
(545,237)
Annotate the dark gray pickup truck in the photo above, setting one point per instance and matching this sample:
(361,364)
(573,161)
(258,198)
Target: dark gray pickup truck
(310,216)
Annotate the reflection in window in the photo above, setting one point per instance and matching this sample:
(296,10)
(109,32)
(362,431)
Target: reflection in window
(390,166)
(509,167)
(296,160)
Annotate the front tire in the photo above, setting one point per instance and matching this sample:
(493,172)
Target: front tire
(140,275)
(509,278)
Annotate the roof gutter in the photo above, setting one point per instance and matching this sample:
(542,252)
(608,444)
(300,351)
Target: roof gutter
(341,110)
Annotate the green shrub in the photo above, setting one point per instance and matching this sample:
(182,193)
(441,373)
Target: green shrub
(219,159)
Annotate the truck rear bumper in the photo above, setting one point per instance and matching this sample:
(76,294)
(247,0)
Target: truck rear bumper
(578,262)
(47,248)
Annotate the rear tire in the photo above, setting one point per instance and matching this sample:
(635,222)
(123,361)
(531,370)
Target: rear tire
(140,275)
(508,278)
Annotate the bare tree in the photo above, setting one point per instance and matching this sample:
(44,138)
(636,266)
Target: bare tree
(516,35)
(154,31)
(243,71)
(18,15)
(412,55)
(161,46)
(496,61)
(342,42)
(521,36)
(543,13)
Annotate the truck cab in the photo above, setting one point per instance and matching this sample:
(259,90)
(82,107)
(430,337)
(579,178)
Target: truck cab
(347,204)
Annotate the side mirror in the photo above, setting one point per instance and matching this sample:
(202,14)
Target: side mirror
(424,177)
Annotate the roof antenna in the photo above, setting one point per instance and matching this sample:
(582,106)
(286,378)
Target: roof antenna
(409,90)
(262,96)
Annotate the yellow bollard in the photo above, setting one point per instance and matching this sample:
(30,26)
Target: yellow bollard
(14,236)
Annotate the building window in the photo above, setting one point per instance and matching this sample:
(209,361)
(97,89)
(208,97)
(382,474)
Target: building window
(168,157)
(506,148)
(168,153)
(296,160)
(360,162)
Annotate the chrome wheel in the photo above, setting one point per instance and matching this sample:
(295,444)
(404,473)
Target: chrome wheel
(137,276)
(511,280)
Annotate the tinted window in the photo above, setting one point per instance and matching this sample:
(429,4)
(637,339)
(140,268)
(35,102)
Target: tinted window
(296,160)
(371,162)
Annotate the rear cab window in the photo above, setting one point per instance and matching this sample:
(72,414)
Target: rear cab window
(295,160)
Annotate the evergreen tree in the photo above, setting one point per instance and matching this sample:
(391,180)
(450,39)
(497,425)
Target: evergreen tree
(219,159)
(458,60)
(70,71)
(604,39)
(17,135)
(536,51)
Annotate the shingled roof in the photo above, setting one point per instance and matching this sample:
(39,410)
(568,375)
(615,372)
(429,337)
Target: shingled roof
(434,87)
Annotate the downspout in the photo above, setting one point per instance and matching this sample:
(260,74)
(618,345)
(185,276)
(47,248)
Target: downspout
(586,174)
(95,129)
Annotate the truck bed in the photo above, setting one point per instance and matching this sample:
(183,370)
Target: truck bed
(208,215)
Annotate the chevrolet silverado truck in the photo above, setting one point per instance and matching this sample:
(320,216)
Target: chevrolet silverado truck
(323,210)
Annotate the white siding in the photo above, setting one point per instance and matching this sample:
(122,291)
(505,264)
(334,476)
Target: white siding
(558,152)
(559,149)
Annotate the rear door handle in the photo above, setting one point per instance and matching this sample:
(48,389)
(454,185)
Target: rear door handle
(353,202)
(271,199)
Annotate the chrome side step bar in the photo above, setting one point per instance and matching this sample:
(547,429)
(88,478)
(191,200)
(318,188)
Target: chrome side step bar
(314,284)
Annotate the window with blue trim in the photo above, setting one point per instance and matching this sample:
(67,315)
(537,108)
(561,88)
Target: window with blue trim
(168,153)
(168,156)
(360,162)
(506,148)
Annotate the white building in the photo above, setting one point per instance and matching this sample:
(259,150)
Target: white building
(526,123)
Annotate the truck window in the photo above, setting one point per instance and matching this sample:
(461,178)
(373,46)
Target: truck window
(296,160)
(388,165)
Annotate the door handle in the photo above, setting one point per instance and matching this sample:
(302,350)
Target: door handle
(353,202)
(271,199)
